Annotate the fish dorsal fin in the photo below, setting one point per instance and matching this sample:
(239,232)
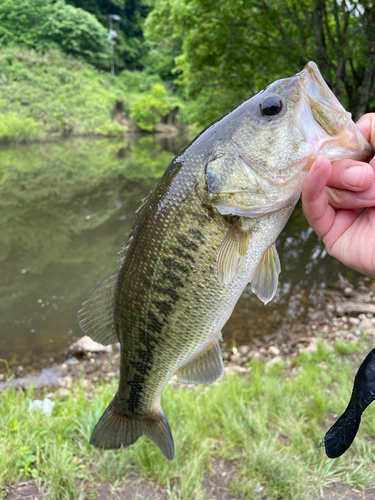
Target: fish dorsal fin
(143,203)
(232,253)
(205,368)
(266,277)
(139,214)
(96,316)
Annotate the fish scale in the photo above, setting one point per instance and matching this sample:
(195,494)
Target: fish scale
(209,228)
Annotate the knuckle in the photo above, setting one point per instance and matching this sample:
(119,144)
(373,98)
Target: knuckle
(335,196)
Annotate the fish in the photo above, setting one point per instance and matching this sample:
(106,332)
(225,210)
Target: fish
(208,229)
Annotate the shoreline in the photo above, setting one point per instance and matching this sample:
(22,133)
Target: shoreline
(160,130)
(269,408)
(347,315)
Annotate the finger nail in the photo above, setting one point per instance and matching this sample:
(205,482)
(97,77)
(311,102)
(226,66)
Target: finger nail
(368,194)
(315,166)
(354,176)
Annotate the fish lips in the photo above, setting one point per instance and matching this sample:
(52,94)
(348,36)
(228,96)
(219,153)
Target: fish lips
(325,122)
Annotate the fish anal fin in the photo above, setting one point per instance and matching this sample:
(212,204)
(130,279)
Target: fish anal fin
(266,277)
(115,430)
(96,316)
(232,253)
(205,368)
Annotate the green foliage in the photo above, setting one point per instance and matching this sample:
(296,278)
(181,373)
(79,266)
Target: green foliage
(346,347)
(78,33)
(148,110)
(22,22)
(13,126)
(44,24)
(130,48)
(55,94)
(137,82)
(111,129)
(264,427)
(233,49)
(62,94)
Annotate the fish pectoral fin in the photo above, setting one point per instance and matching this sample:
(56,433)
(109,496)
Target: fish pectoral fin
(266,277)
(115,430)
(96,316)
(206,368)
(231,254)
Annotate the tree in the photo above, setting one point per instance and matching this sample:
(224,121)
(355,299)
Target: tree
(130,47)
(41,24)
(79,33)
(232,49)
(148,110)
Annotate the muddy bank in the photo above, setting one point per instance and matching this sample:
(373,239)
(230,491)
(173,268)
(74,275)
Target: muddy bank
(347,313)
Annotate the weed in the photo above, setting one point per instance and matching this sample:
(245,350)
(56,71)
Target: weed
(268,424)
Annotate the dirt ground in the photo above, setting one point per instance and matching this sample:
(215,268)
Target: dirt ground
(348,312)
(140,489)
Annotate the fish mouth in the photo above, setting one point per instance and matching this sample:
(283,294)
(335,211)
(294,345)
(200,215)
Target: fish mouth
(327,126)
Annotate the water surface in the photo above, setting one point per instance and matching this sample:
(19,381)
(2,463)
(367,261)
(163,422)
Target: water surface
(66,209)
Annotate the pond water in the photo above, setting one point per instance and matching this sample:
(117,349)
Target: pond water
(66,209)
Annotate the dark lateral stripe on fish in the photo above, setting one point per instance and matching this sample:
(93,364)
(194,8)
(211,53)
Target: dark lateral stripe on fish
(143,367)
(137,384)
(209,210)
(180,253)
(202,219)
(164,307)
(174,264)
(198,235)
(169,291)
(186,243)
(154,324)
(175,280)
(145,355)
(147,339)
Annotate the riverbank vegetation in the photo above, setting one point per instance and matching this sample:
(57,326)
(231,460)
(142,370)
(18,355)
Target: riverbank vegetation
(200,58)
(53,94)
(250,433)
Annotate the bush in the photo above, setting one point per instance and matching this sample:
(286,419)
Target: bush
(12,125)
(79,33)
(147,111)
(137,81)
(44,24)
(60,93)
(111,128)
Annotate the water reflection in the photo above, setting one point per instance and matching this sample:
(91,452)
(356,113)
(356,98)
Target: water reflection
(65,211)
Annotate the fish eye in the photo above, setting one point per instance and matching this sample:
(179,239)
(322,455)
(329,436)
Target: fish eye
(271,105)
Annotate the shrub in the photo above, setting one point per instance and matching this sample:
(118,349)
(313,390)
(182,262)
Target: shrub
(13,125)
(45,24)
(111,128)
(147,111)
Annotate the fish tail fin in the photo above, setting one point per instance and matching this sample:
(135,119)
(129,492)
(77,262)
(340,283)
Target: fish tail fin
(115,429)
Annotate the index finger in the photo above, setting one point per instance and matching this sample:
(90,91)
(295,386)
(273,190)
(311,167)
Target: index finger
(316,208)
(366,125)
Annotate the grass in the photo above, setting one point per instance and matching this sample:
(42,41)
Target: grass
(267,424)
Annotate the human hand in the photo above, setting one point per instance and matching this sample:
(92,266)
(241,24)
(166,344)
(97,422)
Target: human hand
(338,204)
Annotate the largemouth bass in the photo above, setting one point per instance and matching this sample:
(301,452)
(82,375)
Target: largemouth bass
(206,231)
